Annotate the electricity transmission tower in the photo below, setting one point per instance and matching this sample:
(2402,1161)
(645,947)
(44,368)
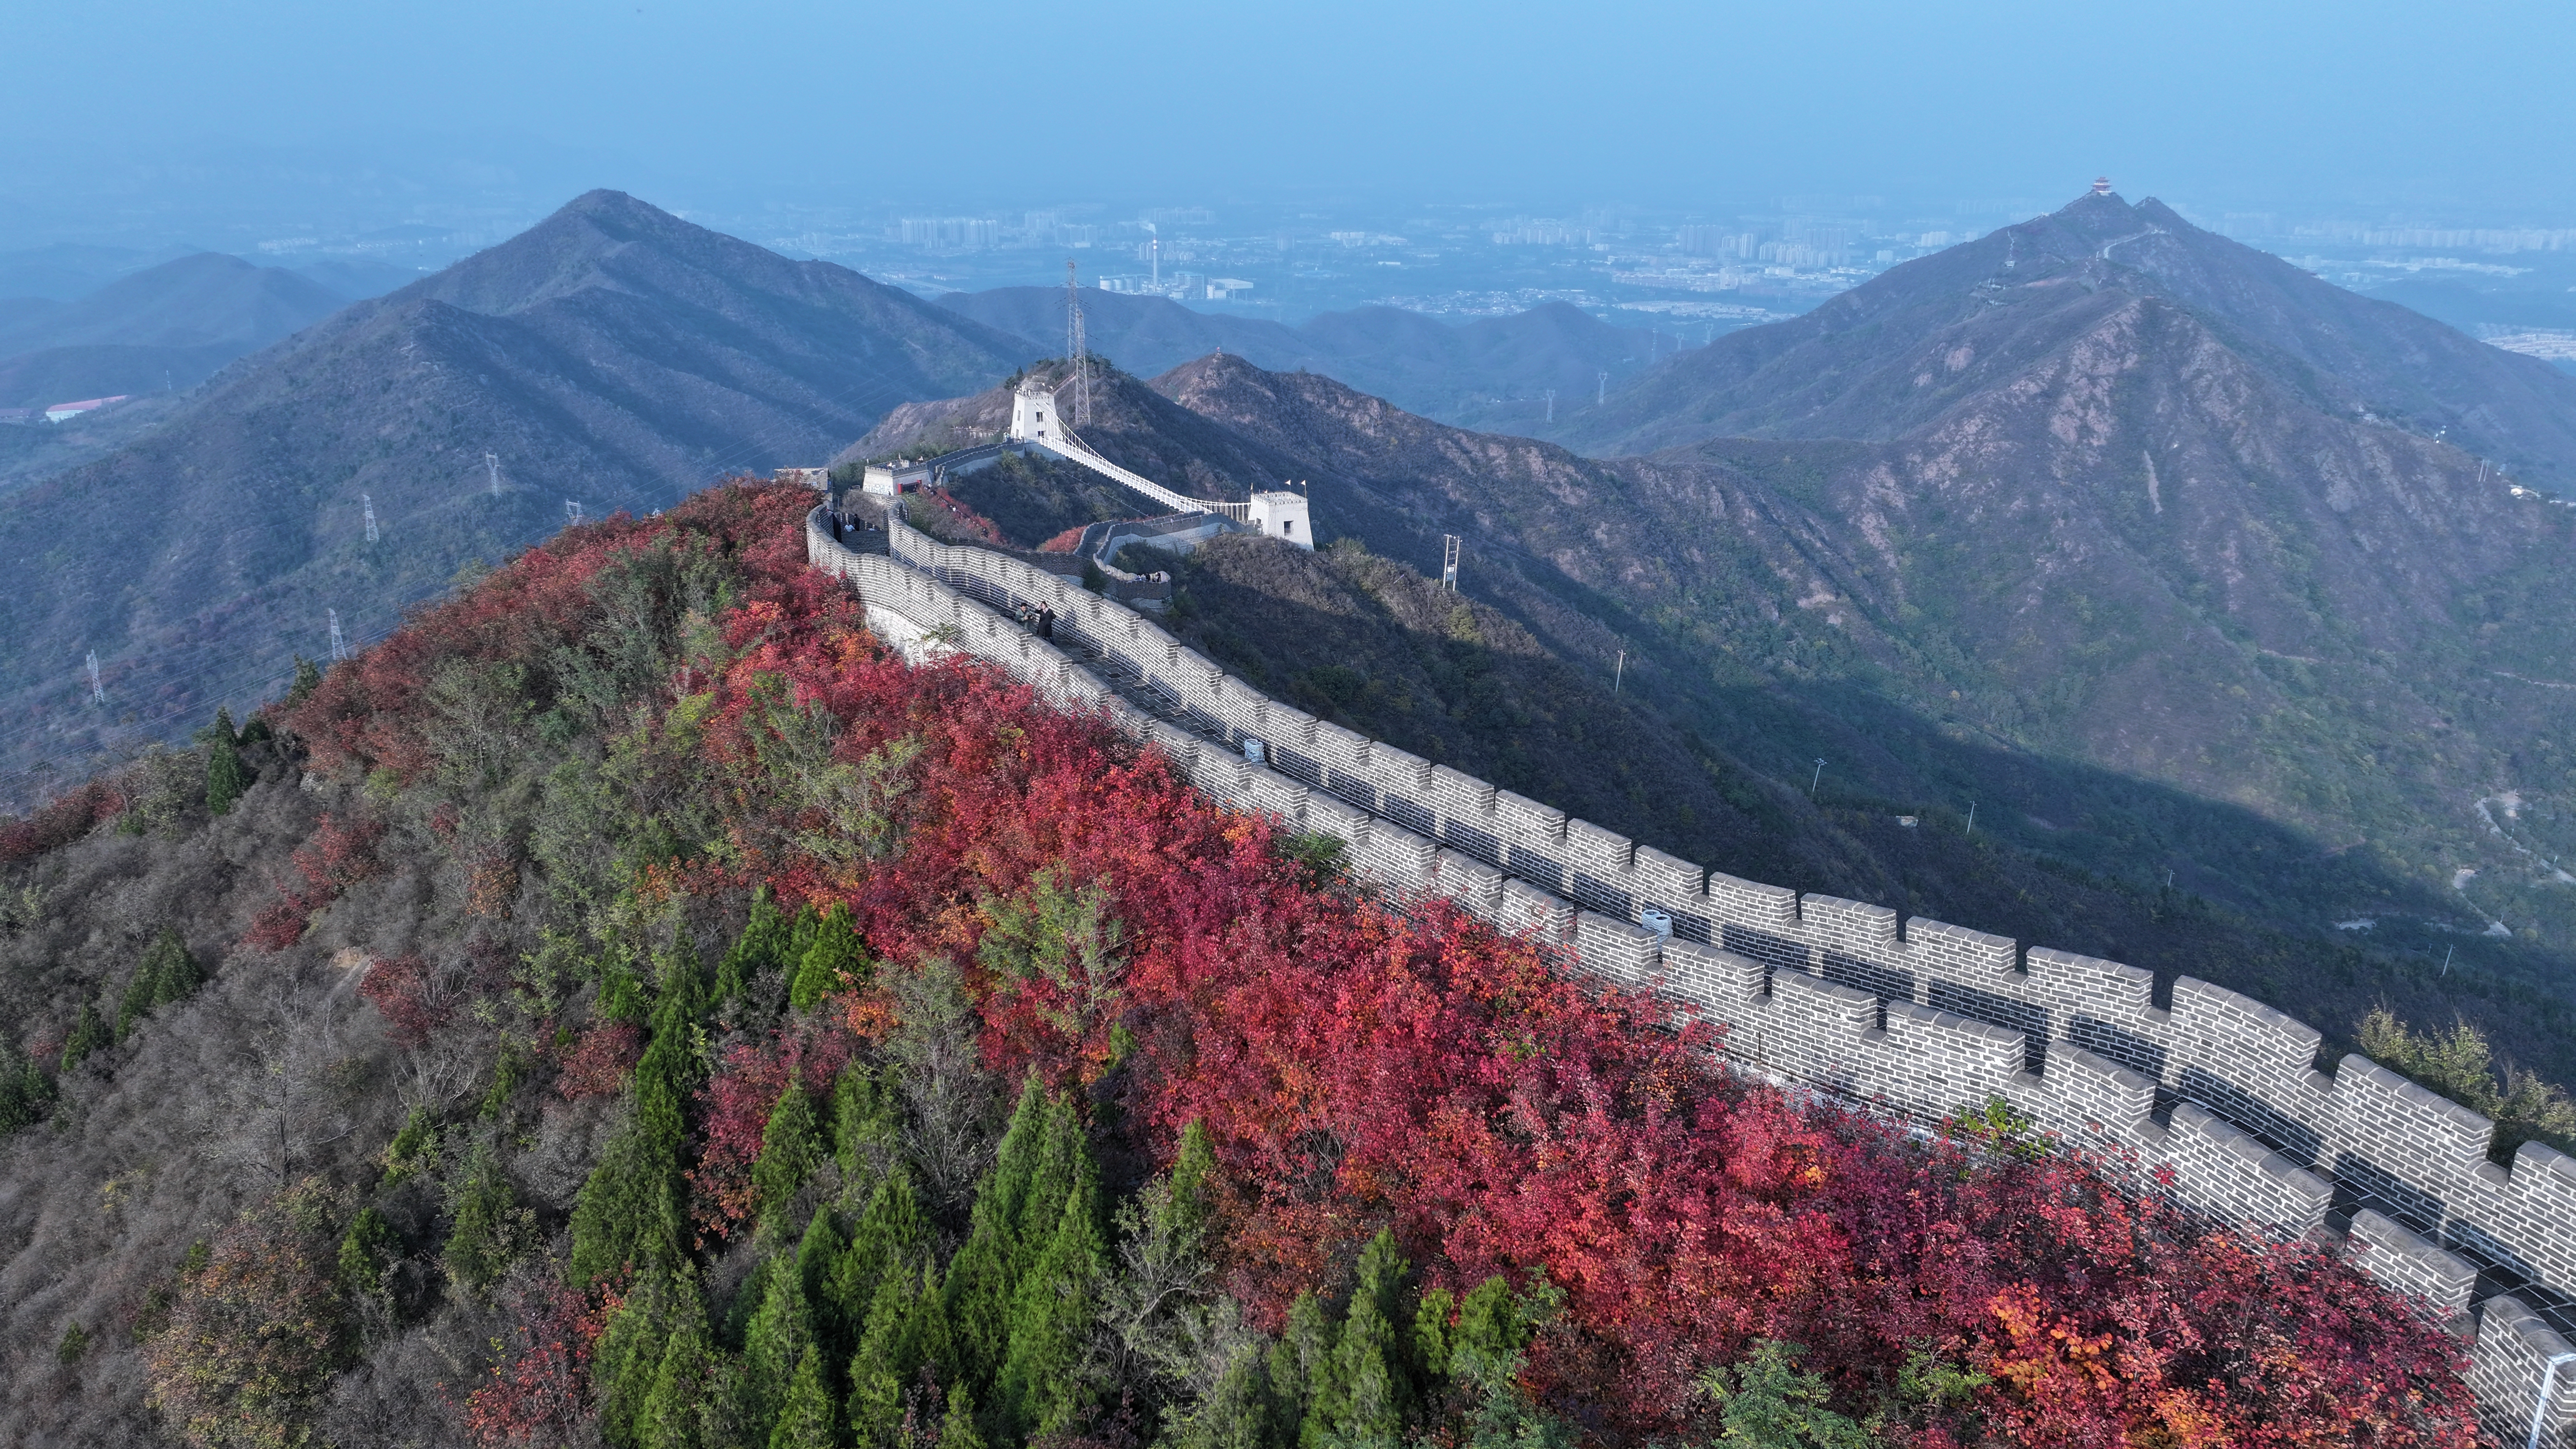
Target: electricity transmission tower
(572,512)
(1600,388)
(1551,405)
(339,645)
(371,516)
(492,465)
(1076,347)
(97,691)
(1449,562)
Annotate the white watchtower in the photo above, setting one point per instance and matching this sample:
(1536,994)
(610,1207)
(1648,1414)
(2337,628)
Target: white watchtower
(1033,415)
(1282,515)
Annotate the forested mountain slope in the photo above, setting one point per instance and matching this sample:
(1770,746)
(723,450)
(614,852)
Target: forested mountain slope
(1907,348)
(677,1019)
(2321,692)
(613,356)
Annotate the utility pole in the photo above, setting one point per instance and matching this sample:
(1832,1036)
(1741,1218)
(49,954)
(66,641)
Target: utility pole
(97,692)
(339,646)
(1449,562)
(492,465)
(1077,347)
(1817,778)
(1972,817)
(1551,405)
(2446,958)
(371,516)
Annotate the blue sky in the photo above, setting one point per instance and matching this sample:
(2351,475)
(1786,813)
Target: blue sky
(2457,107)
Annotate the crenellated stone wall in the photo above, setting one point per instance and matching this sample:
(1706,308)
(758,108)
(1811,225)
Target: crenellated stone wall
(1920,1015)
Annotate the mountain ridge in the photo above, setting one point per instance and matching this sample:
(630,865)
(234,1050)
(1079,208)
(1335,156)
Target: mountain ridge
(629,358)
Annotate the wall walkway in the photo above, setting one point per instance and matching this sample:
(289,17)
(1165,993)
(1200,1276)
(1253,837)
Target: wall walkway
(1921,1015)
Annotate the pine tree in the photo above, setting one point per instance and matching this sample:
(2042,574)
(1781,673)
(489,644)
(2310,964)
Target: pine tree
(957,1428)
(907,1330)
(1241,1412)
(888,1236)
(982,1278)
(867,1128)
(790,1150)
(817,1253)
(1039,1390)
(26,1093)
(1302,1358)
(807,1419)
(363,1253)
(89,1033)
(1371,1386)
(630,1213)
(761,947)
(226,776)
(671,1414)
(627,1364)
(780,1333)
(166,974)
(486,1215)
(832,960)
(308,678)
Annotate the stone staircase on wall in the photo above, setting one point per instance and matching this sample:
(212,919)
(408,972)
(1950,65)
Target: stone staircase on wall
(1917,1015)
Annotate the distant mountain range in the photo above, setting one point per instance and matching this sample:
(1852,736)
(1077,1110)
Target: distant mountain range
(1493,372)
(613,356)
(156,330)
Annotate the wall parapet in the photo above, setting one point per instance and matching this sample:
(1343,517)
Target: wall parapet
(1920,1016)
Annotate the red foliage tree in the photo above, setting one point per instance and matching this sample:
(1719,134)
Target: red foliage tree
(540,1395)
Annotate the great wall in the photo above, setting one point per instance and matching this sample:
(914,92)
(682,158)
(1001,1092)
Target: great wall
(1920,1016)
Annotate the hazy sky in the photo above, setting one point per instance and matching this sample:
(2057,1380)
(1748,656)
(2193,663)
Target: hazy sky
(2225,102)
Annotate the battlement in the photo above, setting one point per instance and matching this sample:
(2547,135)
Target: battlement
(1917,1016)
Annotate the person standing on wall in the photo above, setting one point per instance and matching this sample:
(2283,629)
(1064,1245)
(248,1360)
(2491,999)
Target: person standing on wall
(1046,622)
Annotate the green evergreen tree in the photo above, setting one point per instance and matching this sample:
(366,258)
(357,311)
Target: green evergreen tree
(817,1253)
(761,947)
(780,1334)
(671,1415)
(1039,1390)
(867,1128)
(308,678)
(790,1150)
(487,1232)
(982,1278)
(892,1233)
(89,1033)
(1241,1412)
(1303,1355)
(364,1252)
(957,1427)
(907,1330)
(1369,1392)
(630,1214)
(166,974)
(226,776)
(831,960)
(808,1417)
(627,1365)
(26,1093)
